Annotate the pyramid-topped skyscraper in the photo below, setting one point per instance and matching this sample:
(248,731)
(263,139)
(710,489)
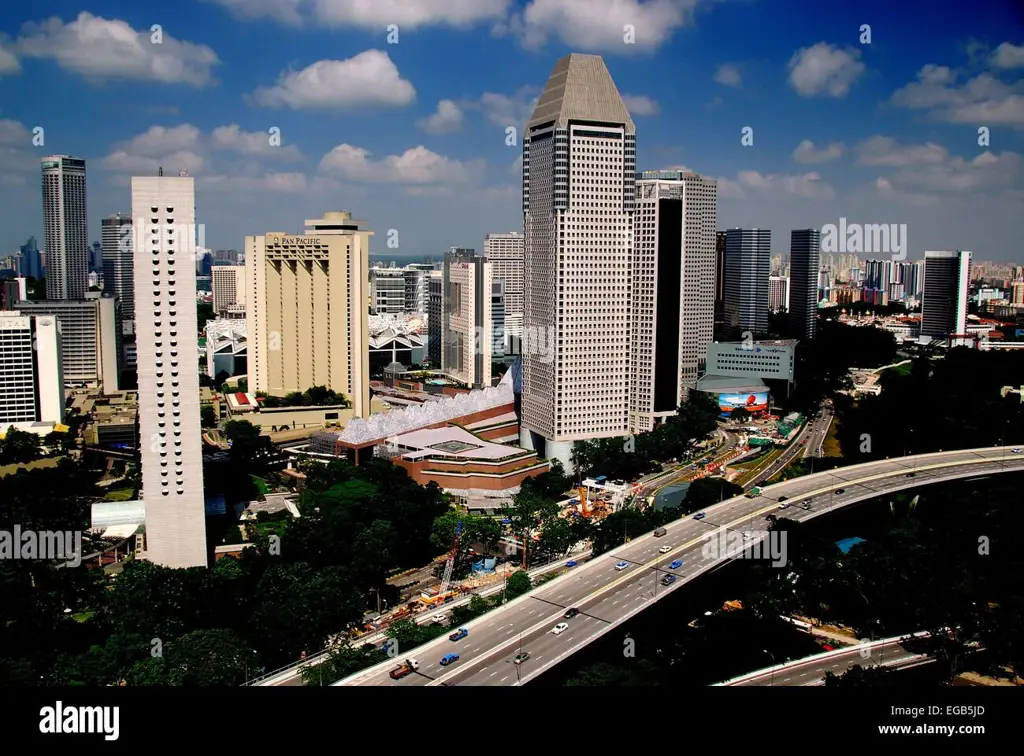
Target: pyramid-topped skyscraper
(579,172)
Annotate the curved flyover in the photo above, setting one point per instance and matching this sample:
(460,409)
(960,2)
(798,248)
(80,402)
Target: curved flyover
(606,597)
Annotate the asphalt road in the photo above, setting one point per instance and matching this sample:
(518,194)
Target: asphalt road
(813,432)
(812,671)
(607,597)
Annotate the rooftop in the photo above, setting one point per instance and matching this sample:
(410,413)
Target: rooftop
(730,384)
(450,442)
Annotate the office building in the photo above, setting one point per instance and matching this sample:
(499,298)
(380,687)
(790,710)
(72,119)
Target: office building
(579,168)
(758,359)
(673,295)
(720,237)
(89,339)
(435,295)
(31,384)
(65,227)
(944,303)
(13,291)
(164,213)
(747,270)
(497,319)
(227,283)
(505,253)
(805,284)
(466,322)
(118,261)
(227,257)
(31,260)
(417,288)
(306,302)
(387,290)
(778,293)
(1017,293)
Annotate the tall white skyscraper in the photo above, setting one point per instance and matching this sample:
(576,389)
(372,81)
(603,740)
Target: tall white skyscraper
(505,253)
(673,295)
(947,276)
(778,293)
(164,225)
(467,325)
(65,227)
(579,174)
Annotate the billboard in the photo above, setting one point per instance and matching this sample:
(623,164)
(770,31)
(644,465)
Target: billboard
(752,402)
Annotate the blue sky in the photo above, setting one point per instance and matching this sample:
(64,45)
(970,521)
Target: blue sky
(411,136)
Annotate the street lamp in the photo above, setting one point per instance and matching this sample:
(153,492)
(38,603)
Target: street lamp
(773,666)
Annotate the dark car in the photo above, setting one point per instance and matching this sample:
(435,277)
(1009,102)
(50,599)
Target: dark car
(910,475)
(807,505)
(783,498)
(840,491)
(520,658)
(668,580)
(571,613)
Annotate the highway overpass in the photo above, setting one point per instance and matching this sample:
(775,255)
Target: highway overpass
(606,598)
(886,652)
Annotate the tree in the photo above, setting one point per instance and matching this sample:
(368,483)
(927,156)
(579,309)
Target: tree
(526,513)
(207,416)
(342,661)
(475,529)
(19,446)
(739,415)
(206,381)
(204,313)
(862,677)
(249,448)
(517,584)
(205,658)
(704,492)
(558,536)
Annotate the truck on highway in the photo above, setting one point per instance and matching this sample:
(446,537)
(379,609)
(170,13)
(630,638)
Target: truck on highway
(753,492)
(405,668)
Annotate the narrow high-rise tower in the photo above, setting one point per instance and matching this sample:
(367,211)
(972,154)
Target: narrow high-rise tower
(673,295)
(947,276)
(65,227)
(748,263)
(579,174)
(164,227)
(804,266)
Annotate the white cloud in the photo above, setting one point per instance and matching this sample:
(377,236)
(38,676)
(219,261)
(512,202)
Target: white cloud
(281,183)
(983,100)
(516,169)
(775,185)
(445,120)
(598,25)
(982,173)
(1008,55)
(370,78)
(14,133)
(729,75)
(233,139)
(640,105)
(122,161)
(824,69)
(378,14)
(887,192)
(807,154)
(8,60)
(415,166)
(100,49)
(505,110)
(885,151)
(375,15)
(286,11)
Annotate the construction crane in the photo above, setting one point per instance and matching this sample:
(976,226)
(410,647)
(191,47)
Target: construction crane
(450,565)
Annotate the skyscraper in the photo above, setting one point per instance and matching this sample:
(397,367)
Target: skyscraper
(228,286)
(31,384)
(673,295)
(32,264)
(505,253)
(467,331)
(778,293)
(804,275)
(579,174)
(164,213)
(720,237)
(748,262)
(118,261)
(944,303)
(435,297)
(306,309)
(65,227)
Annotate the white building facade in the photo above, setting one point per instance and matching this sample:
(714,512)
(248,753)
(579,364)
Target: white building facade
(164,225)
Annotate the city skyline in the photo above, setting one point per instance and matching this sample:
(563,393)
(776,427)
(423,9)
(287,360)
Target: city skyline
(429,159)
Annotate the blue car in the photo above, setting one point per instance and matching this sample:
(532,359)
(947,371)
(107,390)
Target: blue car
(449,659)
(668,580)
(621,566)
(676,564)
(458,634)
(571,563)
(699,516)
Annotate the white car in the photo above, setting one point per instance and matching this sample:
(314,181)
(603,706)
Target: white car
(1016,450)
(560,628)
(664,549)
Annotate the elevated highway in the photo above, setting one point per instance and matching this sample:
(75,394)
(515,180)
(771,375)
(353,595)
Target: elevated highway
(606,597)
